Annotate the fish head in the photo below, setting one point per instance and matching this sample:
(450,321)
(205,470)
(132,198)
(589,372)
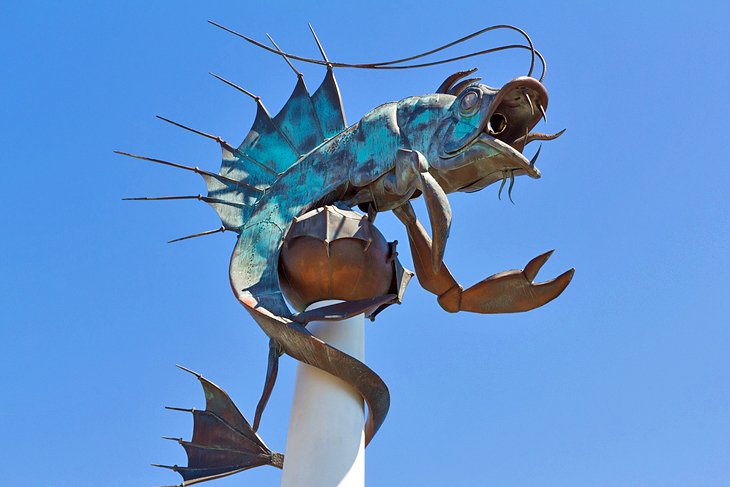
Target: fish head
(485,134)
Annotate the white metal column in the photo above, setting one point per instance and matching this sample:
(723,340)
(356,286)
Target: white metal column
(325,444)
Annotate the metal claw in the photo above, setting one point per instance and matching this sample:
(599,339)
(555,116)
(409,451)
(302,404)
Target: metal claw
(534,266)
(542,109)
(549,290)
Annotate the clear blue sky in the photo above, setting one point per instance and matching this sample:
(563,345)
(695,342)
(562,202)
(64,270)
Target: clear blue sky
(622,381)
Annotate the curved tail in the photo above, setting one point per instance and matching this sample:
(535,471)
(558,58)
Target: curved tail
(296,341)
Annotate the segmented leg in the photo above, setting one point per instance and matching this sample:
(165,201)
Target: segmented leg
(395,189)
(506,292)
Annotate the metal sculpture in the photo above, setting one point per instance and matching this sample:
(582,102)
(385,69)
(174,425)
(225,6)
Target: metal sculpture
(461,138)
(331,253)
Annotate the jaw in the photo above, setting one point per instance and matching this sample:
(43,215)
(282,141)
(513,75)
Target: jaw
(496,151)
(485,161)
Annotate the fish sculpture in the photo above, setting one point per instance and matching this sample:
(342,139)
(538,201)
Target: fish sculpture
(462,137)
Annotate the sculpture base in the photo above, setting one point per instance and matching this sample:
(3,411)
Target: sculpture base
(325,445)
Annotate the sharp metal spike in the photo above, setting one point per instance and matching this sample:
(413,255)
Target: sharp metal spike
(234,85)
(179,440)
(195,131)
(185,410)
(267,48)
(511,185)
(164,198)
(542,109)
(284,56)
(193,169)
(532,107)
(189,371)
(158,161)
(169,467)
(319,45)
(534,158)
(190,129)
(392,64)
(501,186)
(222,142)
(201,234)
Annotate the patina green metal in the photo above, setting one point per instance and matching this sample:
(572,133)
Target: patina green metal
(461,138)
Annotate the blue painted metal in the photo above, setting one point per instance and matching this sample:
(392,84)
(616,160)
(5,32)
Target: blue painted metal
(464,137)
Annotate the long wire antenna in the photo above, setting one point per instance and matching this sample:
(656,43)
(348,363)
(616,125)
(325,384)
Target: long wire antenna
(391,64)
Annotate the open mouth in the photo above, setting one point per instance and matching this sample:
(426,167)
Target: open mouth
(515,110)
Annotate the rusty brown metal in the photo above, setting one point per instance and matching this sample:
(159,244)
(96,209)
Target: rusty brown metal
(274,188)
(331,253)
(511,291)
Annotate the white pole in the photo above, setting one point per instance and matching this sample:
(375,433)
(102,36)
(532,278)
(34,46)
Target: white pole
(325,444)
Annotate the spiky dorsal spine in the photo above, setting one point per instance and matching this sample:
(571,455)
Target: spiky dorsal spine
(273,145)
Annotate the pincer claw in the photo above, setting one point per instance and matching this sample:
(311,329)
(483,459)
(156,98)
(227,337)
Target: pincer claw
(549,290)
(513,291)
(534,266)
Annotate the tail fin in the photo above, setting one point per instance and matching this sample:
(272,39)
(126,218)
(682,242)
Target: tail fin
(223,441)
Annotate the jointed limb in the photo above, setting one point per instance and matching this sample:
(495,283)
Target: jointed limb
(506,292)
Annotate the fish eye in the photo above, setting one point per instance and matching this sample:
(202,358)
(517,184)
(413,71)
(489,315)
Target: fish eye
(470,102)
(497,124)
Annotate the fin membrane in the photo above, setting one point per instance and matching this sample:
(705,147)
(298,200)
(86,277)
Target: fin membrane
(223,442)
(273,145)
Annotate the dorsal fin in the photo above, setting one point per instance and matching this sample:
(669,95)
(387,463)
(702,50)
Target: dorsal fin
(240,167)
(298,121)
(328,105)
(267,144)
(231,201)
(273,145)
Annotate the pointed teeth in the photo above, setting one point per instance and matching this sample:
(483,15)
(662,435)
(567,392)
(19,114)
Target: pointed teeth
(532,107)
(534,158)
(542,110)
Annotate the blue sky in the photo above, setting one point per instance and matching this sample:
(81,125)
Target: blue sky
(622,381)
